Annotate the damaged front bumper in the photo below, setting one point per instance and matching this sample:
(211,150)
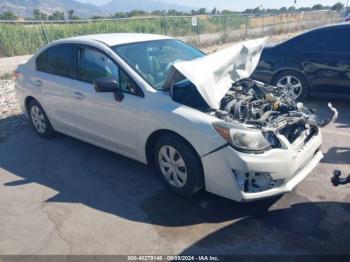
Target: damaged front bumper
(245,177)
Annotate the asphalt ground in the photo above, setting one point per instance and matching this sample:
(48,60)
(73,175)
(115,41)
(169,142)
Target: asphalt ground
(64,196)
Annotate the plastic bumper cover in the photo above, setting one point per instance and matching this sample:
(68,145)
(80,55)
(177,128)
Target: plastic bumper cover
(288,164)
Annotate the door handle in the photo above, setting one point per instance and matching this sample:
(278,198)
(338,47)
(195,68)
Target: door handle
(38,83)
(78,95)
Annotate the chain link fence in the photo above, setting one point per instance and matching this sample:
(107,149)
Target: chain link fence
(25,37)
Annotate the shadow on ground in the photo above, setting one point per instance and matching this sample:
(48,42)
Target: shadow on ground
(82,173)
(322,110)
(337,155)
(307,228)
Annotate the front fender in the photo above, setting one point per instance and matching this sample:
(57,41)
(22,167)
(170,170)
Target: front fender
(191,124)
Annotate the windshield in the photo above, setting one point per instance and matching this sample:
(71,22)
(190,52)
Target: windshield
(153,59)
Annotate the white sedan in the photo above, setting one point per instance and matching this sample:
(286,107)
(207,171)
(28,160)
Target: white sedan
(198,118)
(347,18)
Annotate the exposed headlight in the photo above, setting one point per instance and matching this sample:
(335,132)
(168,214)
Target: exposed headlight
(244,140)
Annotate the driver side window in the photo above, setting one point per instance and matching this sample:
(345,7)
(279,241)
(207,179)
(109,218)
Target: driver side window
(93,64)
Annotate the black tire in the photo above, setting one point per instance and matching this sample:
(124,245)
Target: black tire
(193,165)
(304,84)
(46,132)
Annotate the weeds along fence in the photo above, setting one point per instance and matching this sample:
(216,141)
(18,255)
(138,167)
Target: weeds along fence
(25,37)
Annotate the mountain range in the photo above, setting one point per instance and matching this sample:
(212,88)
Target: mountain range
(25,8)
(145,5)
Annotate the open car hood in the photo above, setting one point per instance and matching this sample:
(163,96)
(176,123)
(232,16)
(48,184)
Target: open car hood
(214,74)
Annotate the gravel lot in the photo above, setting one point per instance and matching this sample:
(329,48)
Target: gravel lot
(64,196)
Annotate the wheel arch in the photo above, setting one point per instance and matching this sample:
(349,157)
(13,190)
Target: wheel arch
(281,70)
(27,101)
(152,139)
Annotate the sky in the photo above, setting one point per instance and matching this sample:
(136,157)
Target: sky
(237,5)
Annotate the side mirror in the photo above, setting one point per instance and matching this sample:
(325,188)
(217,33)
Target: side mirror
(108,85)
(118,95)
(105,85)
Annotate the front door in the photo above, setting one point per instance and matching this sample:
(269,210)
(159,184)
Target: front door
(100,118)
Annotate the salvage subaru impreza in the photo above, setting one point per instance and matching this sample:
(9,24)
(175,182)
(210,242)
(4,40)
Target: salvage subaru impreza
(198,118)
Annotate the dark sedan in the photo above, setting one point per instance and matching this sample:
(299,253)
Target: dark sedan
(313,63)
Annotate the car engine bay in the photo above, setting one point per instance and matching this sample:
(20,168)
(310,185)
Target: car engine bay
(260,106)
(263,106)
(219,84)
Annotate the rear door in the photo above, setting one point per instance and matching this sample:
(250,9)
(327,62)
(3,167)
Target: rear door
(328,64)
(54,71)
(337,72)
(100,118)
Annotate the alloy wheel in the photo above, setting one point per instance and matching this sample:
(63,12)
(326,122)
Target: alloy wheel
(292,85)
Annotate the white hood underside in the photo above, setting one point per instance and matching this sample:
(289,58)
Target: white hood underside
(214,74)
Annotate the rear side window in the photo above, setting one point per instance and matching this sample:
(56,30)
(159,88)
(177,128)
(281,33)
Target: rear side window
(322,40)
(337,40)
(57,60)
(306,42)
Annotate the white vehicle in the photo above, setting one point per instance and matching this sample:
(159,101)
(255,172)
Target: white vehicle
(157,100)
(347,18)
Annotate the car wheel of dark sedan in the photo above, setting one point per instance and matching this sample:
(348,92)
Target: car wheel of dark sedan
(178,165)
(294,83)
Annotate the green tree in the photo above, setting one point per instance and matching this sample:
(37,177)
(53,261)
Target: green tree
(158,12)
(120,15)
(317,7)
(337,7)
(39,15)
(57,15)
(228,12)
(8,16)
(97,17)
(172,12)
(283,9)
(137,13)
(202,11)
(70,14)
(36,14)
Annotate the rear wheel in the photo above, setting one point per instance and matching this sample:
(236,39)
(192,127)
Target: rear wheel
(178,165)
(39,120)
(293,83)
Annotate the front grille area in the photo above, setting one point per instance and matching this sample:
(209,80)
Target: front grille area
(254,182)
(299,134)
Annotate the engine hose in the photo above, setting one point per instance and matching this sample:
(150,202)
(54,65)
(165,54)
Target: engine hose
(263,118)
(266,115)
(237,113)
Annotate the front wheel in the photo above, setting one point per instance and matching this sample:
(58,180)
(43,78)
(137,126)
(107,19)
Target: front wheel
(293,83)
(178,165)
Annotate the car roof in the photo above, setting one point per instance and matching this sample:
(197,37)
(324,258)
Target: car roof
(319,29)
(333,26)
(113,39)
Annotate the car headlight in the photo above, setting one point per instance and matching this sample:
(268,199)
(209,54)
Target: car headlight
(244,140)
